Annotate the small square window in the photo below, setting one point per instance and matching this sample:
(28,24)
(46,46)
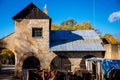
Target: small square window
(36,32)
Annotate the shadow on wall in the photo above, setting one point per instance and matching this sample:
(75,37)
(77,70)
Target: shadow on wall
(72,54)
(60,63)
(3,44)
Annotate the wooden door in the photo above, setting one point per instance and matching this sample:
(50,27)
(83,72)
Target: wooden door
(61,63)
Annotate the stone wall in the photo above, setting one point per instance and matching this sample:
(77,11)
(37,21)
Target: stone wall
(23,45)
(77,58)
(21,42)
(112,51)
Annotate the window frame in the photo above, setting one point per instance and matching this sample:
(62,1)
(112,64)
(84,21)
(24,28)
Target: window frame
(37,32)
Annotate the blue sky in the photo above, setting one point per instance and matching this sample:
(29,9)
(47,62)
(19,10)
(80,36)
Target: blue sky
(104,14)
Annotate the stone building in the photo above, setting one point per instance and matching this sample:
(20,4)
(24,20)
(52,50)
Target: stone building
(34,44)
(112,51)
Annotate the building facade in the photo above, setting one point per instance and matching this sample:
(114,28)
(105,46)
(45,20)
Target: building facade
(34,44)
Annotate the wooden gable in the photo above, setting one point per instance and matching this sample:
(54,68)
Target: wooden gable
(31,12)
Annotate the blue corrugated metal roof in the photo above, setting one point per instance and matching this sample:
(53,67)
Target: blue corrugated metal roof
(64,40)
(64,35)
(73,35)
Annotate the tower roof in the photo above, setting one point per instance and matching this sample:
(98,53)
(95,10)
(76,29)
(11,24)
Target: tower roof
(31,12)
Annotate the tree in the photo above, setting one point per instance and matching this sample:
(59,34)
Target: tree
(75,27)
(55,27)
(111,39)
(85,26)
(71,24)
(7,57)
(63,23)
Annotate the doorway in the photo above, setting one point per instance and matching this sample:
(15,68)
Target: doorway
(61,63)
(31,63)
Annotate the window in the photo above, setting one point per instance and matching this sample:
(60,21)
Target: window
(37,32)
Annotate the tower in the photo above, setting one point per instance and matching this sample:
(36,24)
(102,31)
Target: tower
(31,32)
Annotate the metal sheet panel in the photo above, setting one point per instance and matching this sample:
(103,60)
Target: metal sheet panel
(73,35)
(64,40)
(78,47)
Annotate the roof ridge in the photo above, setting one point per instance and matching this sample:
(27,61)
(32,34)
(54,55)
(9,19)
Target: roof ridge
(7,36)
(31,11)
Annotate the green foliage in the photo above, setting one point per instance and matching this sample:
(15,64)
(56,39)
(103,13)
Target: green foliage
(55,27)
(76,26)
(111,39)
(85,26)
(70,24)
(7,57)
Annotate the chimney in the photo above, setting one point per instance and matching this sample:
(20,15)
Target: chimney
(45,9)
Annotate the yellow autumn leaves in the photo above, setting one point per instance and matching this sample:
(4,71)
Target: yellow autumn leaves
(111,39)
(70,24)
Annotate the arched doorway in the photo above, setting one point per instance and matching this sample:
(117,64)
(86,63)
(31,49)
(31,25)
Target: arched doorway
(82,63)
(31,63)
(60,63)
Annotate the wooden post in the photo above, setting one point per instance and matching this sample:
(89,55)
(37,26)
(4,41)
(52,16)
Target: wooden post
(98,70)
(90,65)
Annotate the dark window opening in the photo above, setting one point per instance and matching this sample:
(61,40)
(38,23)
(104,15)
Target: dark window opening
(37,32)
(31,63)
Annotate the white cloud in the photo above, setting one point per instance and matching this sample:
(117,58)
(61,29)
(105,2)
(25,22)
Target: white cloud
(114,16)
